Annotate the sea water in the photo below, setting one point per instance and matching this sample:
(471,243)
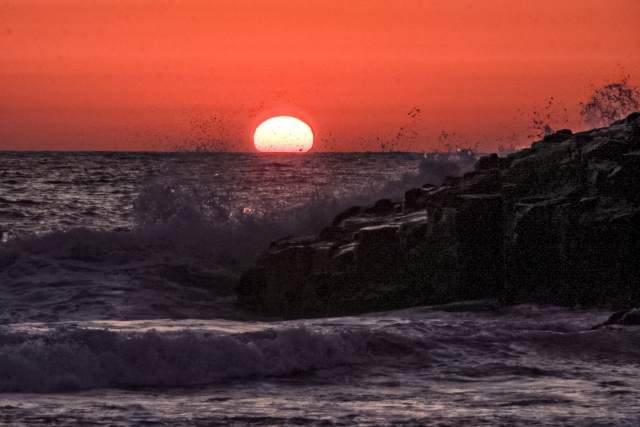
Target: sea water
(117,308)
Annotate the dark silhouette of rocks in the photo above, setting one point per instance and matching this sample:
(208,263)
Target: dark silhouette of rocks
(556,223)
(623,317)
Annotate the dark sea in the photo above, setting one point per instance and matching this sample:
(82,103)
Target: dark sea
(117,308)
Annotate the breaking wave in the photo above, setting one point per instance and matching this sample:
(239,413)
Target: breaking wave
(527,341)
(195,217)
(85,358)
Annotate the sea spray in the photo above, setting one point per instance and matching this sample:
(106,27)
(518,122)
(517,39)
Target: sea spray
(77,359)
(177,230)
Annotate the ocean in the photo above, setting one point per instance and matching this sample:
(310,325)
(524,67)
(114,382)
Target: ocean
(117,307)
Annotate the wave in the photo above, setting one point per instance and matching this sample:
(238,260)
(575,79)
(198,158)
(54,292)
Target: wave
(183,232)
(525,341)
(194,217)
(81,359)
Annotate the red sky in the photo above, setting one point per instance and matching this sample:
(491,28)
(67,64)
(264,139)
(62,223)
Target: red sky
(156,75)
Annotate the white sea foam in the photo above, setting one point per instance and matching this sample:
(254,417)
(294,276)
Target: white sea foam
(517,342)
(88,358)
(184,221)
(220,206)
(117,268)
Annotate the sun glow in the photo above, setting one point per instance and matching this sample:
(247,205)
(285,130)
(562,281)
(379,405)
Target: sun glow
(283,134)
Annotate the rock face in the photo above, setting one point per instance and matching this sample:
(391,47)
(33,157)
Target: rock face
(624,317)
(556,223)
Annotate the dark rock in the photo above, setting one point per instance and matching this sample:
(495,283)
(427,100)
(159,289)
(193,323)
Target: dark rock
(413,198)
(633,117)
(625,177)
(287,241)
(351,212)
(450,181)
(438,196)
(631,317)
(332,233)
(489,182)
(604,148)
(504,162)
(492,161)
(558,223)
(376,251)
(627,120)
(344,258)
(382,207)
(480,249)
(623,317)
(558,136)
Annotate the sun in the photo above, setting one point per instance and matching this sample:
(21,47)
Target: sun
(283,134)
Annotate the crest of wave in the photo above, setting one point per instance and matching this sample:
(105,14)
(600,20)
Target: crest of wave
(199,221)
(183,218)
(196,221)
(86,358)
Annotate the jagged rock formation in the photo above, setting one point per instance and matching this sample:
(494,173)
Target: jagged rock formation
(623,317)
(556,223)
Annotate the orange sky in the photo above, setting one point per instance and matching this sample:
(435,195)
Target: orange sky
(154,75)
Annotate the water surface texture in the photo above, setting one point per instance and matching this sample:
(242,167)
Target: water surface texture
(117,308)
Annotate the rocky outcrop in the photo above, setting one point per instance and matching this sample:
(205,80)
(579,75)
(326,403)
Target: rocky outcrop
(556,223)
(623,317)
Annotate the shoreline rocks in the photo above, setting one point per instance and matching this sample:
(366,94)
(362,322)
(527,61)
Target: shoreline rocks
(556,223)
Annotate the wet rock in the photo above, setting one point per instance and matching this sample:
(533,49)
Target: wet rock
(489,182)
(623,317)
(376,251)
(558,136)
(631,317)
(627,120)
(558,223)
(605,148)
(414,198)
(351,212)
(480,250)
(492,161)
(383,207)
(451,181)
(332,233)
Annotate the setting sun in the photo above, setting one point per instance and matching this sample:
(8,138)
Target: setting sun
(283,134)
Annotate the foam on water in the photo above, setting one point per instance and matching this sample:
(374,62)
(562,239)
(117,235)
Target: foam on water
(85,358)
(116,270)
(72,356)
(121,235)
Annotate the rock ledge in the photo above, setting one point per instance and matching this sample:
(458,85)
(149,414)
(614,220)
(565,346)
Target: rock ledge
(557,223)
